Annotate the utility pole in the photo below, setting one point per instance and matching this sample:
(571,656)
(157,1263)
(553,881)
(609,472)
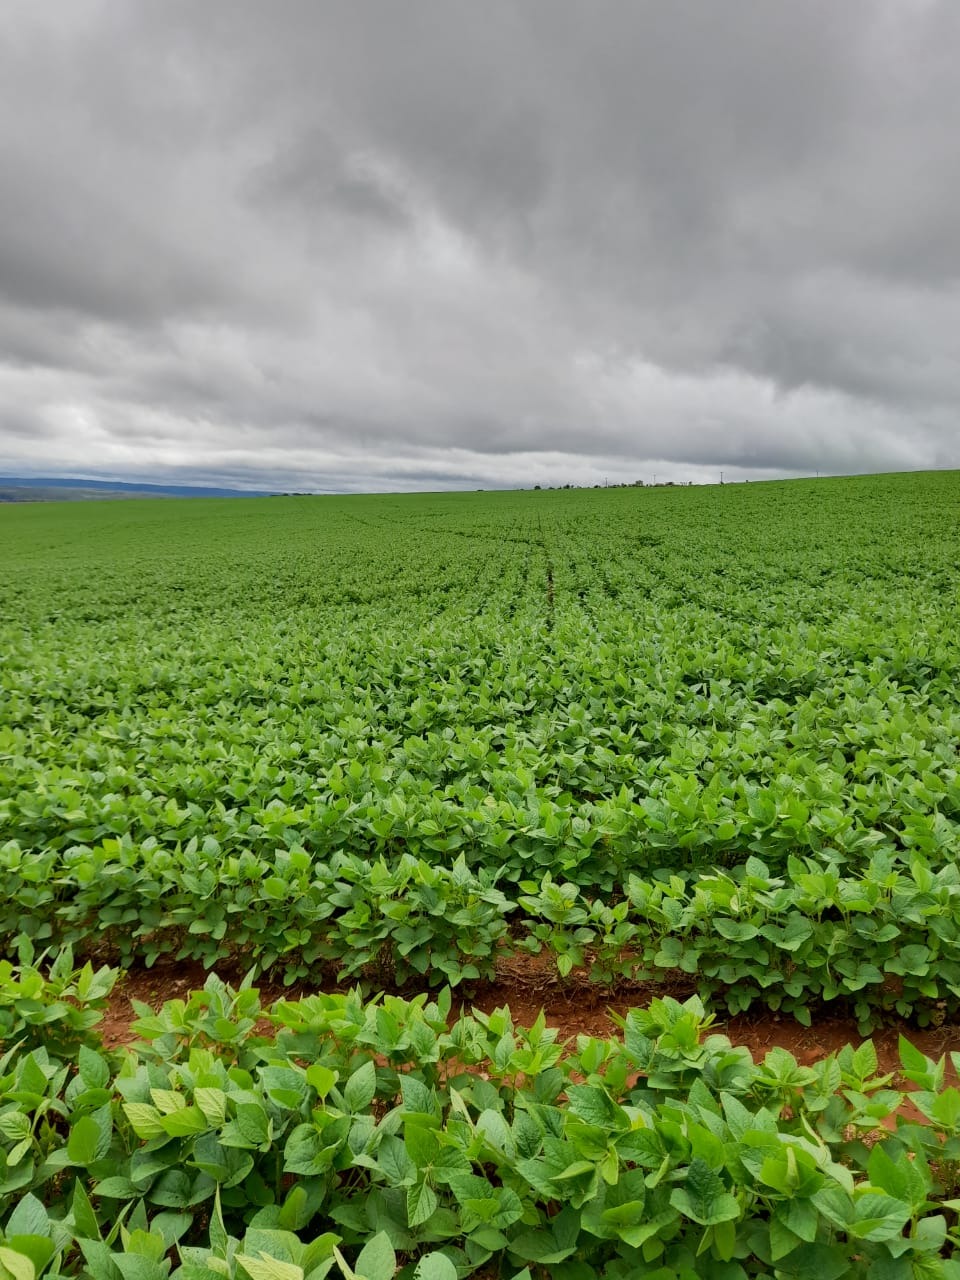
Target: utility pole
(721,477)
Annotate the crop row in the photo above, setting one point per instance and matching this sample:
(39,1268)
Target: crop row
(329,1136)
(377,802)
(884,940)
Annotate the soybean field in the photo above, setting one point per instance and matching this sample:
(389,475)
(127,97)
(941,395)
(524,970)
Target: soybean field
(651,741)
(700,731)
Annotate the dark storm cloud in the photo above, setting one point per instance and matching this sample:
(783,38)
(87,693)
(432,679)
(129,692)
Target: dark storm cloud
(399,246)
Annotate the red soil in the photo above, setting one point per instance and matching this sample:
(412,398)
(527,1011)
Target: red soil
(575,1007)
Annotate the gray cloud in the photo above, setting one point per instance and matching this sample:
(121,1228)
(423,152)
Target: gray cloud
(394,246)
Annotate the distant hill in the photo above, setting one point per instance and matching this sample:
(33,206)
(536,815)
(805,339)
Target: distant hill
(76,489)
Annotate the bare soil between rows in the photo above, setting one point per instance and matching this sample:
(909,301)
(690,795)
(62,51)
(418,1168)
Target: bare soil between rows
(573,1006)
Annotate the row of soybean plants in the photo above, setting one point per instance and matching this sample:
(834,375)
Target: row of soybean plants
(257,762)
(881,941)
(383,1140)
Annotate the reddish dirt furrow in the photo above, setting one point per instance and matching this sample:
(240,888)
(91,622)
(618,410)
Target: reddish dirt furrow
(529,984)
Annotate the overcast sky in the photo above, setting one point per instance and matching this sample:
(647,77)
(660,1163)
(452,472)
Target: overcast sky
(375,244)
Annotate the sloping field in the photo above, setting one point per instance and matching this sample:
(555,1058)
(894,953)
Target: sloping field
(653,740)
(708,731)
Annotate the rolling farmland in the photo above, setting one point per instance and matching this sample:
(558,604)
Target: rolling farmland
(687,738)
(394,735)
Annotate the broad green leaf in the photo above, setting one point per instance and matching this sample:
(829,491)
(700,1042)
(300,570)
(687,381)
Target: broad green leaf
(435,1266)
(29,1218)
(376,1260)
(14,1265)
(264,1267)
(359,1090)
(321,1078)
(213,1105)
(421,1203)
(703,1197)
(83,1144)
